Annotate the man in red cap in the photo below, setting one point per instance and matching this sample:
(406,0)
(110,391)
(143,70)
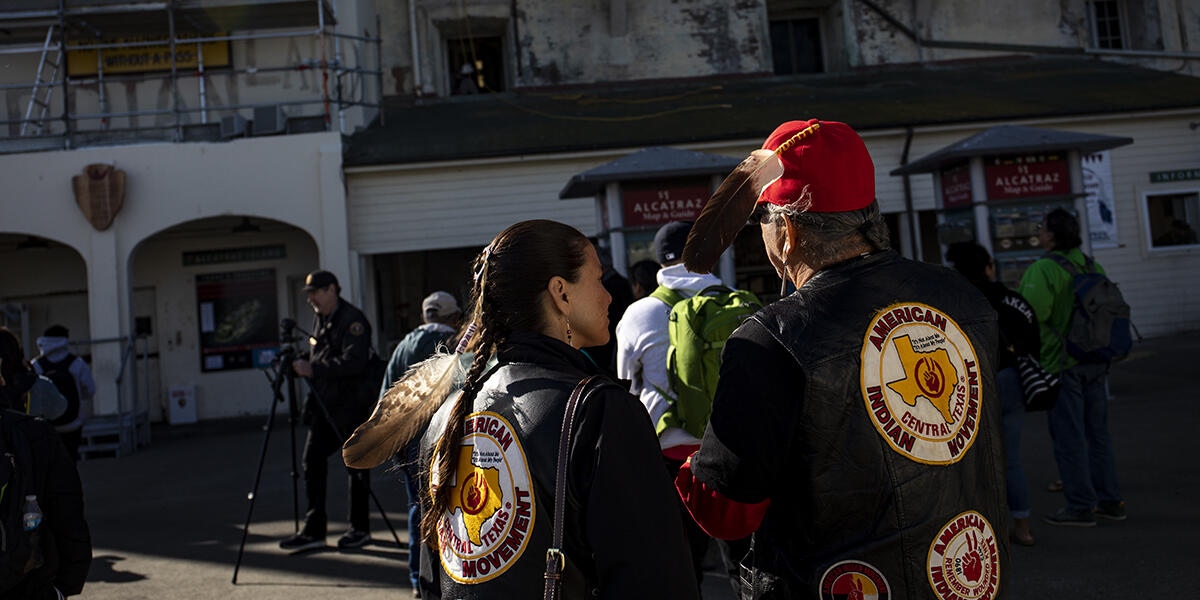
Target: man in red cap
(855,430)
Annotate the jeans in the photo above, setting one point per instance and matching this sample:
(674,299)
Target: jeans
(411,456)
(1012,402)
(1082,445)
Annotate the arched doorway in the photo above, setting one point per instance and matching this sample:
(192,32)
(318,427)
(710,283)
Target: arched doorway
(206,297)
(45,283)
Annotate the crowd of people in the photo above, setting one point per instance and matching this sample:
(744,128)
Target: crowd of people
(572,431)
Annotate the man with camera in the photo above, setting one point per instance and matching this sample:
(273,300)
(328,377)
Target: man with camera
(337,369)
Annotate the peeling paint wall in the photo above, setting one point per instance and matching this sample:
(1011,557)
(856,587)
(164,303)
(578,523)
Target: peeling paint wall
(552,43)
(1170,25)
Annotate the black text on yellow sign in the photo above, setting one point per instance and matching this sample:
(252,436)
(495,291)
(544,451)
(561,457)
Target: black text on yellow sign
(140,59)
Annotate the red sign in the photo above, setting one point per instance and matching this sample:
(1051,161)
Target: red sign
(956,186)
(1026,176)
(658,206)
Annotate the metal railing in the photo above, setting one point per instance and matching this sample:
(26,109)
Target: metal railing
(343,83)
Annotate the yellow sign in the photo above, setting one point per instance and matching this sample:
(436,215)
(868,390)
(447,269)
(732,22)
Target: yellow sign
(140,59)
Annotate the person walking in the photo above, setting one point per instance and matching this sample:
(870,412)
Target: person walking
(1078,420)
(336,367)
(856,426)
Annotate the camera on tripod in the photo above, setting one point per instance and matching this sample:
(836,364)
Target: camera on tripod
(288,338)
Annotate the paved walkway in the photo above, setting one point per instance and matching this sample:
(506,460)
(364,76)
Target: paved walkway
(166,522)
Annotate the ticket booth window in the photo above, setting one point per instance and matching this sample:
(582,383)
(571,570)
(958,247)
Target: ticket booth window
(1172,218)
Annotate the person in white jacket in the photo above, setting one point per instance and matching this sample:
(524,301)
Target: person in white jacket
(642,343)
(73,378)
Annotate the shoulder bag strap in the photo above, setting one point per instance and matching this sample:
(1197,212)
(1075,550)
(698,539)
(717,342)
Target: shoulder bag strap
(555,561)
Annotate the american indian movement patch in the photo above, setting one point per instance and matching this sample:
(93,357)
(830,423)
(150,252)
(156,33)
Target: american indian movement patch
(486,526)
(921,383)
(854,580)
(964,559)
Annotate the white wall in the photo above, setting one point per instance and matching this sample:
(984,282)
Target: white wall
(413,207)
(294,179)
(158,266)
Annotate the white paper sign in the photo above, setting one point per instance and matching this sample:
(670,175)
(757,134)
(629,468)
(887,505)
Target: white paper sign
(206,317)
(1101,205)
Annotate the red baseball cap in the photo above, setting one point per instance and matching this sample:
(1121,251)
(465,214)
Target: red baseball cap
(829,159)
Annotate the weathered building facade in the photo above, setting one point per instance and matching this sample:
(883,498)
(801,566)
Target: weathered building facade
(550,90)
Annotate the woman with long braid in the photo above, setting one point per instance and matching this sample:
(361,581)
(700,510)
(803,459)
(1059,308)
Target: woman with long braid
(491,450)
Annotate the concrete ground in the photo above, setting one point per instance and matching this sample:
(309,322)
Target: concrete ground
(166,522)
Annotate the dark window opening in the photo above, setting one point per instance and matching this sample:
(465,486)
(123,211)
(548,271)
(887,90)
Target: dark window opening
(1173,218)
(1106,24)
(796,46)
(476,65)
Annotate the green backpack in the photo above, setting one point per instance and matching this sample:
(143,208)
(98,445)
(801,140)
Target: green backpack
(698,330)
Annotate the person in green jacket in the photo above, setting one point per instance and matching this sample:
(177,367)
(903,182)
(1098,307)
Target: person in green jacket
(1079,419)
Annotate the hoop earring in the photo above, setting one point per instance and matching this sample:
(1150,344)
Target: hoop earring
(568,319)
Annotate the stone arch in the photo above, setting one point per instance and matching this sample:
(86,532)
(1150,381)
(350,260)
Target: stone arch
(171,276)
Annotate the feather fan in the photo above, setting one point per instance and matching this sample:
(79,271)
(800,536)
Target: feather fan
(404,411)
(726,212)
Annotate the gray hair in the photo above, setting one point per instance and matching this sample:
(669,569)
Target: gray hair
(827,237)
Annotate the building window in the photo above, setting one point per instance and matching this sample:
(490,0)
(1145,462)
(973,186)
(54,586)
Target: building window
(476,65)
(1107,29)
(1172,218)
(796,46)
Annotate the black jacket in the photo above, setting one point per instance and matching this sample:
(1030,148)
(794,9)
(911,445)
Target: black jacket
(1018,326)
(813,413)
(67,550)
(339,365)
(623,537)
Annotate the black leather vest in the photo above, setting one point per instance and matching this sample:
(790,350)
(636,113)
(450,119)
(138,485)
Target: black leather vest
(887,482)
(515,418)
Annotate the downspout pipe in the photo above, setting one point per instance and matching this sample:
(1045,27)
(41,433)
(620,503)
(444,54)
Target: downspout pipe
(416,47)
(908,199)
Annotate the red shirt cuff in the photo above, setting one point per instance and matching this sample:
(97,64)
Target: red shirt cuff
(717,515)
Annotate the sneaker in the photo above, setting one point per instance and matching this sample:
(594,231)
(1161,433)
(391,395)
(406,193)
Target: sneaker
(1113,511)
(1055,486)
(1071,518)
(353,539)
(301,542)
(416,591)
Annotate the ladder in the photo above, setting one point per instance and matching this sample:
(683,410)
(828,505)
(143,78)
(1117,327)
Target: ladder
(43,89)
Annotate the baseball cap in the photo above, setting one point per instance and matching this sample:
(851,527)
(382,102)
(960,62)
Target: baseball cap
(319,279)
(831,162)
(669,241)
(439,304)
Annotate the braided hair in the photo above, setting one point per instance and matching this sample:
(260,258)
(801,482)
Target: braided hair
(511,276)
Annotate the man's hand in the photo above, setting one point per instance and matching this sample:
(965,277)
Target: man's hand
(302,367)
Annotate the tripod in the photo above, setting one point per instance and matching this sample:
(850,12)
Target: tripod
(281,368)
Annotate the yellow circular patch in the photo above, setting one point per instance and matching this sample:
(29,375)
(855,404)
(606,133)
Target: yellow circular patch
(921,383)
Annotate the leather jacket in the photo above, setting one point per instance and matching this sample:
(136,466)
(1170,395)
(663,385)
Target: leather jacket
(339,364)
(886,468)
(622,536)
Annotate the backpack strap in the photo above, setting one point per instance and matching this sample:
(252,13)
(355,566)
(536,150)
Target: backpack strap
(713,290)
(668,296)
(1063,262)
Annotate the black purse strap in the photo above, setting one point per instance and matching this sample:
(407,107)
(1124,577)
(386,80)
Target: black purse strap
(556,562)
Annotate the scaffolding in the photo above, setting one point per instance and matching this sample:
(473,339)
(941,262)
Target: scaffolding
(54,31)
